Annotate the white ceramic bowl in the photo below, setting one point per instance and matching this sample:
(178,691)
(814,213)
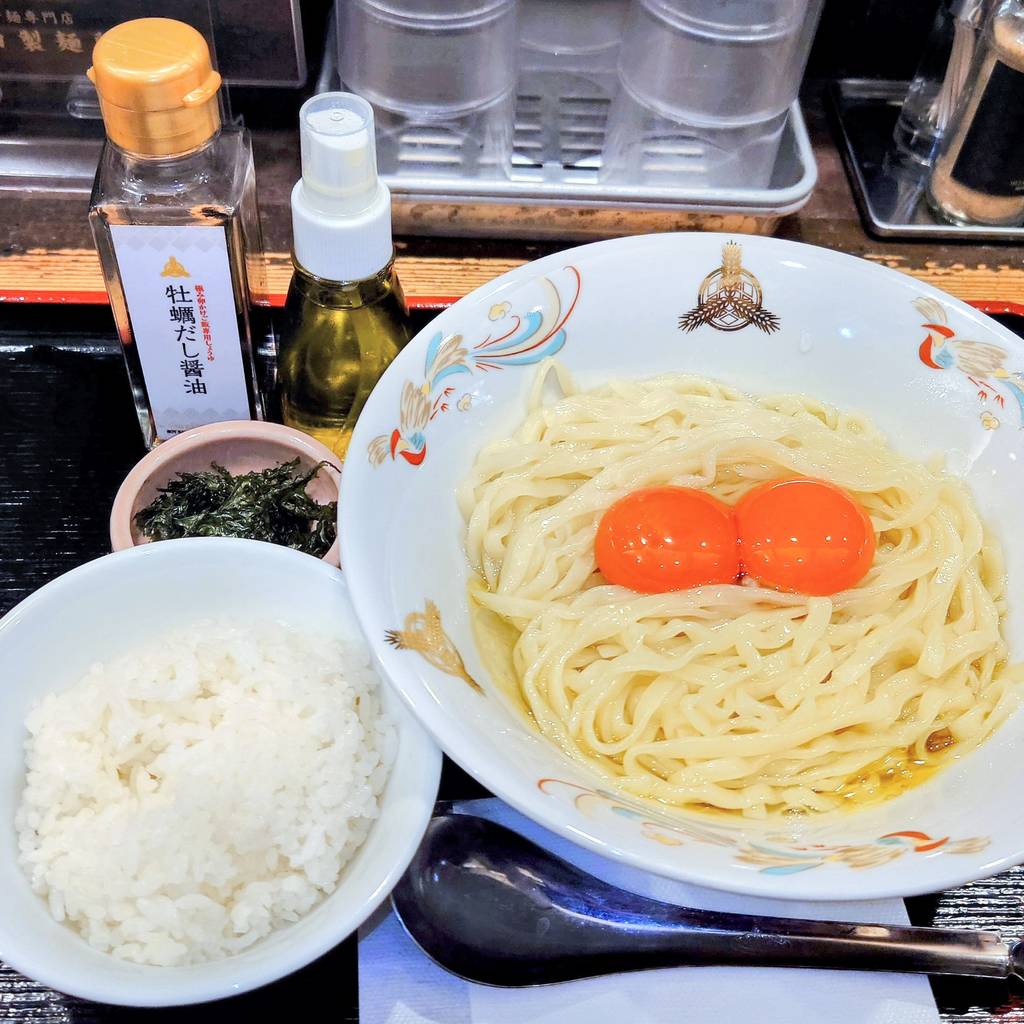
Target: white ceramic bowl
(850,333)
(92,613)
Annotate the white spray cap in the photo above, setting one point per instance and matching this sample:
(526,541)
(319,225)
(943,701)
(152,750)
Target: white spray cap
(341,211)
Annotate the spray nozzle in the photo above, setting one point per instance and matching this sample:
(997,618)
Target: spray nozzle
(339,162)
(341,213)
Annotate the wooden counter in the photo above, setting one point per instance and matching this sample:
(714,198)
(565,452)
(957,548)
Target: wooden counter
(46,253)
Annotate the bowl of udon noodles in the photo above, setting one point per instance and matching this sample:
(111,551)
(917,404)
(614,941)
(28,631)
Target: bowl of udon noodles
(823,740)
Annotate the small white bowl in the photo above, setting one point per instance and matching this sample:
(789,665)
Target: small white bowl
(850,333)
(93,613)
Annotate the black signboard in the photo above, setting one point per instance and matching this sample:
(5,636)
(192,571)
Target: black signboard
(256,42)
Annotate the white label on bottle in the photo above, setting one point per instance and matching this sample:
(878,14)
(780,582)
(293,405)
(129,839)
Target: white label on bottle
(177,283)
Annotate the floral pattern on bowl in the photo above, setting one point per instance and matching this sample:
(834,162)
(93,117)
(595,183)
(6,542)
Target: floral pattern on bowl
(776,855)
(979,364)
(520,336)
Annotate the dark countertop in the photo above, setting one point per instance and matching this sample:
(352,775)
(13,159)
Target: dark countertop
(67,438)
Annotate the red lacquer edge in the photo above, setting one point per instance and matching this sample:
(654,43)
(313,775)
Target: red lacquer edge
(997,306)
(96,298)
(55,297)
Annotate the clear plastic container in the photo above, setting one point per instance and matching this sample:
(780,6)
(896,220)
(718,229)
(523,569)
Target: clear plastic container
(717,62)
(645,148)
(441,76)
(567,80)
(430,60)
(438,11)
(572,27)
(447,146)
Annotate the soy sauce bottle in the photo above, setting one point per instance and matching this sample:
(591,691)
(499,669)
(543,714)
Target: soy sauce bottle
(174,215)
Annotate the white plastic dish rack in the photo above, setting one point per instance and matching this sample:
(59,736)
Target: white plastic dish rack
(551,186)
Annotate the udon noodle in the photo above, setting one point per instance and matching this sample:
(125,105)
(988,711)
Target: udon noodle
(735,697)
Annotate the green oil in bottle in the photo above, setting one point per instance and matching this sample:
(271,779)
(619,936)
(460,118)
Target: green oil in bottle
(337,340)
(345,317)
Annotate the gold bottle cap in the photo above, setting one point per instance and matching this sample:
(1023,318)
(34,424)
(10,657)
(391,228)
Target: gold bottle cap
(156,85)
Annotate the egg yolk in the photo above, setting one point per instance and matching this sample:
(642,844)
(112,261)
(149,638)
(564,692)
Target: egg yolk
(667,538)
(804,536)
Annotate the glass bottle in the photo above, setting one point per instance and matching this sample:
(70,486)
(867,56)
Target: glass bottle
(978,177)
(174,216)
(337,340)
(940,77)
(345,315)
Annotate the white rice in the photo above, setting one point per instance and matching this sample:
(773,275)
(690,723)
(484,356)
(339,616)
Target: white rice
(187,799)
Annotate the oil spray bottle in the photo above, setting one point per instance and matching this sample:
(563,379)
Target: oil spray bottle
(345,317)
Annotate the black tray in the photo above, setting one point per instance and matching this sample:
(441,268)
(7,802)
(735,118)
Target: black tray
(68,436)
(889,192)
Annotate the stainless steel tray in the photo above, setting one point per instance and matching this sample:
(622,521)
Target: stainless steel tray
(563,200)
(890,193)
(552,189)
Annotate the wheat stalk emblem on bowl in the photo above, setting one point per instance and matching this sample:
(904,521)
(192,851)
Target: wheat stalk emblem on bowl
(730,298)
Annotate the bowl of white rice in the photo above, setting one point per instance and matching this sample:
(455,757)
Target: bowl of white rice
(204,784)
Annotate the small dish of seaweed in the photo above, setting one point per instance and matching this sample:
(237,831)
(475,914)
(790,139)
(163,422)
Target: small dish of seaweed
(253,480)
(263,504)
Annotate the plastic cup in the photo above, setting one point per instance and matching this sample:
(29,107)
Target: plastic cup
(477,144)
(572,27)
(717,62)
(429,59)
(645,148)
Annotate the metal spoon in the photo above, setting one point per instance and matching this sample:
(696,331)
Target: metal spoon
(492,907)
